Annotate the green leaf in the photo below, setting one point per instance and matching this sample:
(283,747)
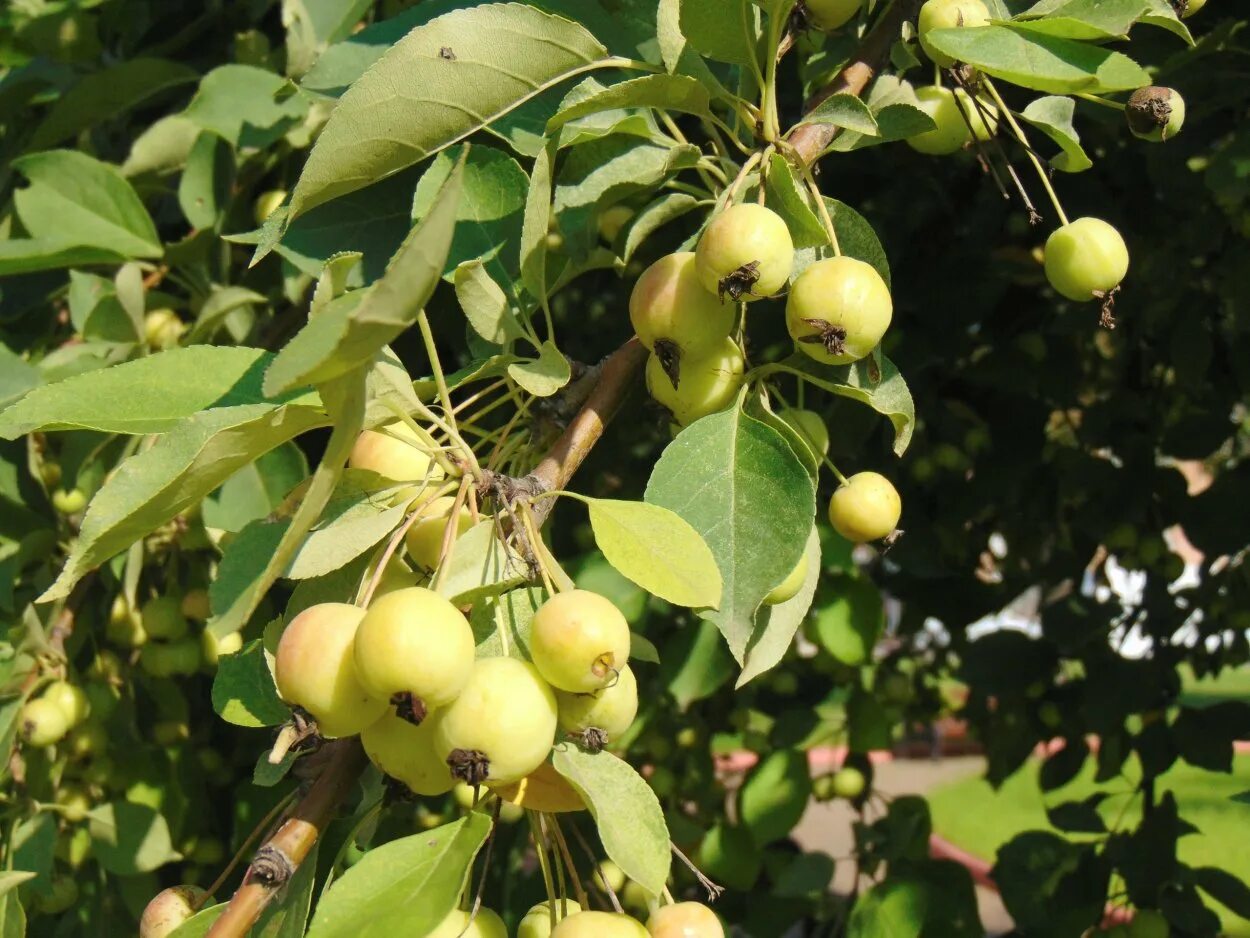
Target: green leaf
(1225,888)
(536,224)
(204,190)
(485,305)
(544,375)
(724,30)
(696,664)
(789,199)
(197,925)
(148,395)
(17,378)
(104,94)
(507,616)
(1043,63)
(844,110)
(312,24)
(657,549)
(77,201)
(659,213)
(481,565)
(437,85)
(27,255)
(243,690)
(1089,20)
(740,486)
(12,917)
(11,879)
(1053,116)
(163,147)
(774,795)
(626,811)
(665,92)
(775,625)
(256,490)
(849,624)
(246,106)
(182,467)
(97,311)
(129,838)
(894,908)
(407,886)
(218,310)
(352,329)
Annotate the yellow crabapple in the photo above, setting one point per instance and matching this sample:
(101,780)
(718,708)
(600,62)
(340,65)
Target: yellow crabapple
(1085,258)
(684,920)
(746,252)
(948,14)
(788,587)
(838,310)
(705,385)
(611,709)
(866,507)
(669,305)
(425,538)
(579,640)
(405,751)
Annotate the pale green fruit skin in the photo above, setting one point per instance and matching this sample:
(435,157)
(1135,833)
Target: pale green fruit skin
(599,925)
(416,642)
(169,909)
(832,14)
(685,920)
(788,587)
(577,639)
(1176,120)
(613,220)
(705,385)
(486,924)
(267,203)
(1193,7)
(608,873)
(810,427)
(406,752)
(743,234)
(397,452)
(1085,256)
(162,328)
(846,293)
(951,133)
(396,576)
(74,802)
(195,605)
(865,508)
(70,698)
(612,709)
(668,302)
(315,668)
(166,659)
(948,14)
(163,618)
(849,783)
(212,647)
(42,723)
(424,539)
(537,921)
(506,711)
(69,503)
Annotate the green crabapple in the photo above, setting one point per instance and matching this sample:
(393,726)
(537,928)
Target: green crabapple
(865,507)
(397,452)
(405,751)
(315,668)
(952,112)
(502,725)
(609,876)
(212,648)
(704,385)
(1192,7)
(70,698)
(69,502)
(414,642)
(168,910)
(537,921)
(599,925)
(831,14)
(613,220)
(838,310)
(62,893)
(74,802)
(195,605)
(746,251)
(424,539)
(579,641)
(166,659)
(1085,259)
(788,587)
(947,14)
(669,305)
(267,203)
(1155,113)
(849,783)
(611,710)
(684,920)
(162,328)
(42,723)
(810,427)
(163,618)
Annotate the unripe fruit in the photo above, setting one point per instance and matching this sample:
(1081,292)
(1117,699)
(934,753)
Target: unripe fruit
(669,304)
(163,618)
(1149,923)
(69,503)
(788,587)
(406,751)
(124,627)
(87,740)
(1085,258)
(865,507)
(896,688)
(613,220)
(947,14)
(810,427)
(166,659)
(746,252)
(502,725)
(169,909)
(1192,7)
(579,641)
(486,924)
(413,641)
(684,920)
(42,723)
(1155,113)
(425,538)
(70,698)
(397,452)
(162,328)
(212,647)
(949,109)
(62,893)
(207,851)
(831,14)
(315,668)
(195,605)
(705,385)
(50,473)
(611,710)
(838,310)
(537,921)
(599,925)
(171,732)
(75,849)
(849,782)
(544,790)
(74,802)
(267,203)
(396,576)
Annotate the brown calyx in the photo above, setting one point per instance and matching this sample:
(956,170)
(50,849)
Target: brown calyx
(832,338)
(739,282)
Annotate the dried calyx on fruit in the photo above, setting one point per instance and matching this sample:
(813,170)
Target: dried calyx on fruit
(1155,113)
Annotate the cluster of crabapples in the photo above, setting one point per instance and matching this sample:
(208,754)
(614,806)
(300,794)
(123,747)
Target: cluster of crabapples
(837,309)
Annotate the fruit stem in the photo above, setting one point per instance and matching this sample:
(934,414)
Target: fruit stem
(1095,99)
(1024,142)
(771,124)
(444,395)
(450,530)
(676,134)
(823,209)
(393,544)
(544,862)
(727,196)
(562,844)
